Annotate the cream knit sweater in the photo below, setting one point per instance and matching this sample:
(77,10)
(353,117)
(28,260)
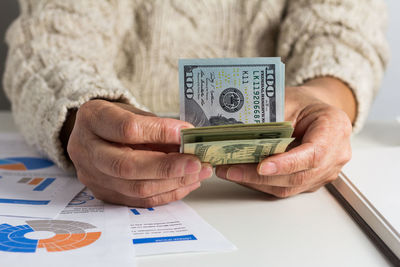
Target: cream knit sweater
(64,52)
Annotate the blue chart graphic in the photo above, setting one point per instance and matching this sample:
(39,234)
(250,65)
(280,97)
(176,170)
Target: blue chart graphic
(37,184)
(24,163)
(44,184)
(163,239)
(23,201)
(136,212)
(81,199)
(69,235)
(12,238)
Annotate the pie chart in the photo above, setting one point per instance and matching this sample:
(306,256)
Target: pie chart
(24,163)
(67,235)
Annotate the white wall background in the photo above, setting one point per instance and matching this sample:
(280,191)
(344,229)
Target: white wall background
(387,103)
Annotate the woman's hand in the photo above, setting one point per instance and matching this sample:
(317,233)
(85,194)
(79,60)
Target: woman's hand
(321,112)
(128,156)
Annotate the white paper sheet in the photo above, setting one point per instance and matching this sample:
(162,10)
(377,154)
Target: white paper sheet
(86,233)
(31,185)
(173,228)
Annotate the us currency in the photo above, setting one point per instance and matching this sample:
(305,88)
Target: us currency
(239,143)
(233,152)
(237,132)
(237,106)
(231,90)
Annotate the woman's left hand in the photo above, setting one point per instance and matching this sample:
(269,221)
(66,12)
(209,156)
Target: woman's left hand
(321,148)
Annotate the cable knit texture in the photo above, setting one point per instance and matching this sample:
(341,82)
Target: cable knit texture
(63,53)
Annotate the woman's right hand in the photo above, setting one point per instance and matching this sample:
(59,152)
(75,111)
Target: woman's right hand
(128,156)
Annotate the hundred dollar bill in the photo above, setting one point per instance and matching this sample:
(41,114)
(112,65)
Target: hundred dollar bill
(271,130)
(247,142)
(233,152)
(231,90)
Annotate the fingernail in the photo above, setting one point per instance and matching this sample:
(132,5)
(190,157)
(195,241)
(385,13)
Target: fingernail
(268,168)
(184,127)
(235,174)
(192,166)
(178,131)
(206,172)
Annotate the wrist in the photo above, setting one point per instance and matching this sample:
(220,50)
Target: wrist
(333,92)
(67,129)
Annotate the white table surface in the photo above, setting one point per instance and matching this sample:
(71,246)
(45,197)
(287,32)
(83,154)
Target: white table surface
(306,230)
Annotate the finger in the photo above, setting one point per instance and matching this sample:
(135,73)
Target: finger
(247,173)
(221,171)
(119,125)
(124,162)
(284,192)
(143,188)
(298,159)
(161,199)
(132,109)
(318,135)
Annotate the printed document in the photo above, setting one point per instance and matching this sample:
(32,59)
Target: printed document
(31,185)
(173,228)
(87,233)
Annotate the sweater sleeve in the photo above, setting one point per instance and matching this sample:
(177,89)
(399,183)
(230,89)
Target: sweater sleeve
(344,39)
(61,54)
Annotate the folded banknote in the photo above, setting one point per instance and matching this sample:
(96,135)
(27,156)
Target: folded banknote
(237,106)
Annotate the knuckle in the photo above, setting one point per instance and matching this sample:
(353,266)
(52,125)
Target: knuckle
(345,156)
(258,179)
(165,168)
(73,150)
(347,128)
(175,195)
(345,124)
(292,164)
(298,178)
(325,119)
(128,128)
(332,178)
(182,181)
(283,192)
(85,112)
(162,133)
(84,178)
(148,202)
(162,199)
(313,189)
(99,196)
(318,156)
(122,167)
(107,197)
(141,189)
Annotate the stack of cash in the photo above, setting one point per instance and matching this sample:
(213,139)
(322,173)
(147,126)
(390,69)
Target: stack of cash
(237,106)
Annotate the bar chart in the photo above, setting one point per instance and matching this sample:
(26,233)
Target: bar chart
(40,183)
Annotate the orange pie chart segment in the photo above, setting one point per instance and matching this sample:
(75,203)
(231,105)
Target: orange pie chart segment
(61,242)
(13,167)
